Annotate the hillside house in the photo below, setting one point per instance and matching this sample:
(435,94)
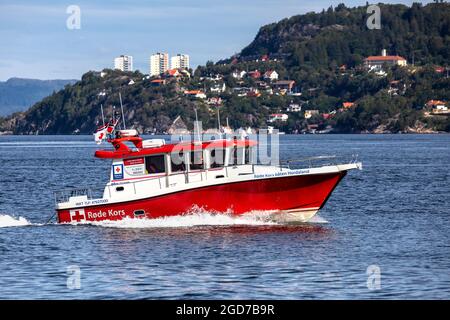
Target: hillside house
(270,75)
(286,85)
(294,107)
(309,113)
(278,117)
(377,62)
(254,74)
(195,94)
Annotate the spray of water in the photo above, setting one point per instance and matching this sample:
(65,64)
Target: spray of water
(193,218)
(9,221)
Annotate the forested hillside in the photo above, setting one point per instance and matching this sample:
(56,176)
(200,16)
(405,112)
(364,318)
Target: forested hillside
(309,68)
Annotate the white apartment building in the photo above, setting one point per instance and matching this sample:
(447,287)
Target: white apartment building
(159,63)
(180,61)
(123,63)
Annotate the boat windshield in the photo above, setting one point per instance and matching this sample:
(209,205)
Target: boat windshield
(177,162)
(196,162)
(217,158)
(155,164)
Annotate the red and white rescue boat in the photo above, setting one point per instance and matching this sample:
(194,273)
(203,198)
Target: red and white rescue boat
(148,180)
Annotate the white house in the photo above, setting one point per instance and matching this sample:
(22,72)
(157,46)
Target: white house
(218,88)
(271,75)
(293,107)
(238,74)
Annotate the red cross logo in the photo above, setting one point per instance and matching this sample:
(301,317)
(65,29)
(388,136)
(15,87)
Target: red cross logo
(117,169)
(77,215)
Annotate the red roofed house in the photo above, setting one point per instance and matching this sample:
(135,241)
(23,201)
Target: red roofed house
(378,61)
(435,103)
(158,82)
(195,93)
(173,73)
(437,107)
(254,74)
(348,105)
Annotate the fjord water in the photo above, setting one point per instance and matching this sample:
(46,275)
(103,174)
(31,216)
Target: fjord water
(394,216)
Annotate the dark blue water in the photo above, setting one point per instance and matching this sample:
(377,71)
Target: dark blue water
(394,216)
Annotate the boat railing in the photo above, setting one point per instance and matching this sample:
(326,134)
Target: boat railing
(63,196)
(311,162)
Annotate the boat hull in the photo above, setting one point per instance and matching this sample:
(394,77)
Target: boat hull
(289,198)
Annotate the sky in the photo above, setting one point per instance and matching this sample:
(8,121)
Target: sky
(36,42)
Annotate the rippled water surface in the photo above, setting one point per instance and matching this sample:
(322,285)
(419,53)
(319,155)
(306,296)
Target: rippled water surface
(394,215)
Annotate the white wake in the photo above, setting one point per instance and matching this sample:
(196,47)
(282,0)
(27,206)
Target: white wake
(317,219)
(192,219)
(9,221)
(189,220)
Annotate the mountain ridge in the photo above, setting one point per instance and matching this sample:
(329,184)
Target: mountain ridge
(18,94)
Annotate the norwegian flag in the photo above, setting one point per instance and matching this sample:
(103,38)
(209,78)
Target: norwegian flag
(100,134)
(112,125)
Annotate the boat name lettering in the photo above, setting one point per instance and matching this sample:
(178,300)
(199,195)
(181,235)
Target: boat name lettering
(282,173)
(105,214)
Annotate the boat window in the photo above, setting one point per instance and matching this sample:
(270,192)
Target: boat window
(217,158)
(177,162)
(196,162)
(233,157)
(236,155)
(154,164)
(248,155)
(139,212)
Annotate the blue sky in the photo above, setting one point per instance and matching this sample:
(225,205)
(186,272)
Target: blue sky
(37,44)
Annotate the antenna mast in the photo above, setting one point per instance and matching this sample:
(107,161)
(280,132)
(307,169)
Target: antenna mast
(123,116)
(103,116)
(218,120)
(196,122)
